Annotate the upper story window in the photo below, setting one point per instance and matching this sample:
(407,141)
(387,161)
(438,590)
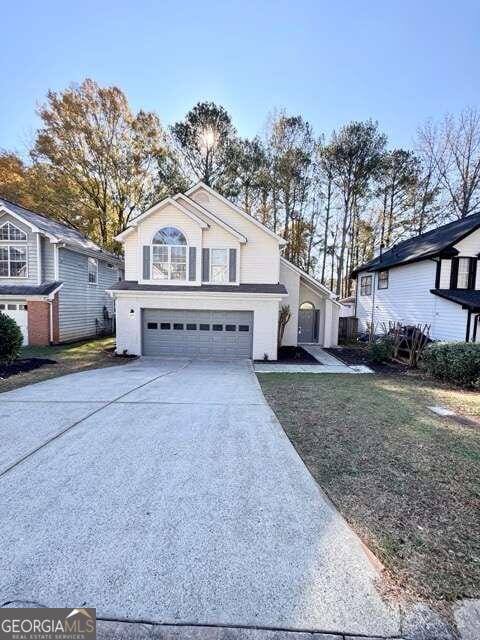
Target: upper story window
(92,271)
(382,280)
(463,273)
(8,231)
(219,265)
(366,286)
(169,255)
(13,262)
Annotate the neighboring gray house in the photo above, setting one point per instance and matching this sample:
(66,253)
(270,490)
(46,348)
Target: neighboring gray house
(53,280)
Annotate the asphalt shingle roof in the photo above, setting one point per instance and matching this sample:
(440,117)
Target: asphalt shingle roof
(61,231)
(468,298)
(426,245)
(28,290)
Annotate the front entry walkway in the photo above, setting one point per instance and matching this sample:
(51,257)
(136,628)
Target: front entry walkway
(166,491)
(328,364)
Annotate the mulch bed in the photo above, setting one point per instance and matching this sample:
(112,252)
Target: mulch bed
(22,366)
(293,355)
(359,355)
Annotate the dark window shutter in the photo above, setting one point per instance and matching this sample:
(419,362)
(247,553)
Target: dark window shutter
(472,273)
(232,271)
(205,265)
(454,273)
(146,262)
(192,263)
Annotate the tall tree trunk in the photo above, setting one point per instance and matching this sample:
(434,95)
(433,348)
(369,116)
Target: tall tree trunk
(327,224)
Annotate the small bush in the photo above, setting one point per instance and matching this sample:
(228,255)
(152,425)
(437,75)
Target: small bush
(380,350)
(10,339)
(454,362)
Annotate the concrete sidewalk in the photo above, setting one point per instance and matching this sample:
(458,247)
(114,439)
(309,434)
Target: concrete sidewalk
(166,491)
(328,364)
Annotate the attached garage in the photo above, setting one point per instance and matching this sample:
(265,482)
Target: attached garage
(17,311)
(177,332)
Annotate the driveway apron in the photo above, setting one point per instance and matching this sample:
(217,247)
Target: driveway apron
(166,491)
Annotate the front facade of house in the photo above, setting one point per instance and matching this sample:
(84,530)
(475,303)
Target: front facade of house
(204,278)
(53,280)
(433,279)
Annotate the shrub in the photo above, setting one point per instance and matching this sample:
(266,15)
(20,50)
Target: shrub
(380,350)
(455,362)
(10,339)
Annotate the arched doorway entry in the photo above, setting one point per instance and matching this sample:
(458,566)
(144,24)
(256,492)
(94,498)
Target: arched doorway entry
(306,322)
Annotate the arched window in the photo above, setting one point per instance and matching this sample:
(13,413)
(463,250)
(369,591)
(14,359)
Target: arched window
(169,255)
(307,305)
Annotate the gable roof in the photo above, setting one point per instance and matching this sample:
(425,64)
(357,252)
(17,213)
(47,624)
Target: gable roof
(427,245)
(56,231)
(244,214)
(310,279)
(156,207)
(202,210)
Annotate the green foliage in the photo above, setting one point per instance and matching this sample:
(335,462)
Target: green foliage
(454,362)
(381,350)
(205,140)
(10,339)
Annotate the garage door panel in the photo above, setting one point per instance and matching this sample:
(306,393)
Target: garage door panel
(201,338)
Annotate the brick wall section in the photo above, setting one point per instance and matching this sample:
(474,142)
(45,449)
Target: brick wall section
(38,323)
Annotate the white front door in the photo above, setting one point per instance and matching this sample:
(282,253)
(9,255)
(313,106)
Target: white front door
(17,311)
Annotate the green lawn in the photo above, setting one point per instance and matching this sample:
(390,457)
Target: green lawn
(406,480)
(80,356)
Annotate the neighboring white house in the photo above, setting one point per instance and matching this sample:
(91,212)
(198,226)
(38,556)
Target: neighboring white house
(202,277)
(430,279)
(347,308)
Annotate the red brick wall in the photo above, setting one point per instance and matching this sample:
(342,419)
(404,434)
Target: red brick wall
(38,323)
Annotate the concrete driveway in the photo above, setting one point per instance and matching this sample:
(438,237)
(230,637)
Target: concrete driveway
(173,495)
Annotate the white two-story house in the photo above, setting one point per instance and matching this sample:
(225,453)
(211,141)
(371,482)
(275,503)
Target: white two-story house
(432,279)
(53,279)
(204,278)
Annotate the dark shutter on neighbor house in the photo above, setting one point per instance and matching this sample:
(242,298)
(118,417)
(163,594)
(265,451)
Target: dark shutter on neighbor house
(146,262)
(205,265)
(454,273)
(192,263)
(472,273)
(232,270)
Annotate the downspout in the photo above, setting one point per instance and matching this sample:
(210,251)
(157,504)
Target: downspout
(50,302)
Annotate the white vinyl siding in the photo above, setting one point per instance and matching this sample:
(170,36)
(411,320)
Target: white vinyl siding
(446,270)
(260,256)
(408,299)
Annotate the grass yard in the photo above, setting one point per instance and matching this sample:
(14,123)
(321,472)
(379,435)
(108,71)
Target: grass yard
(90,354)
(407,481)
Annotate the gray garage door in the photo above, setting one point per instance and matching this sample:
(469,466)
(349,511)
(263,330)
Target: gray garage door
(197,333)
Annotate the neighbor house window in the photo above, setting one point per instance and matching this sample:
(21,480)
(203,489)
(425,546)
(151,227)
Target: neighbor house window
(383,279)
(92,271)
(169,255)
(366,286)
(219,265)
(463,273)
(9,231)
(13,262)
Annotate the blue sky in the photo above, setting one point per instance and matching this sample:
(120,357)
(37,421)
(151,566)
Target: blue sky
(398,62)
